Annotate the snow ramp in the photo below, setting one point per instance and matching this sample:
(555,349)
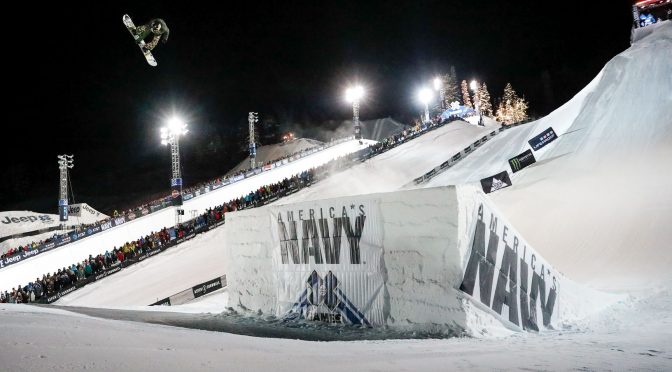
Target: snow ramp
(442,257)
(602,191)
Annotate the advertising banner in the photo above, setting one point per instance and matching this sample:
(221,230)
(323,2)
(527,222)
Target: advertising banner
(496,182)
(543,139)
(63,210)
(327,261)
(503,269)
(207,287)
(521,161)
(75,210)
(176,191)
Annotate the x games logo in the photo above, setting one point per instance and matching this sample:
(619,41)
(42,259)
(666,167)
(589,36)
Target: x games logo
(323,300)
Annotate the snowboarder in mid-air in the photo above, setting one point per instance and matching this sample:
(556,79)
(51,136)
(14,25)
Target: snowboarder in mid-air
(156,27)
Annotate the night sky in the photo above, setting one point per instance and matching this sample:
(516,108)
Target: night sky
(76,83)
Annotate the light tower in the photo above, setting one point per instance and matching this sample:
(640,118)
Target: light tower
(425,96)
(171,136)
(65,162)
(354,96)
(252,118)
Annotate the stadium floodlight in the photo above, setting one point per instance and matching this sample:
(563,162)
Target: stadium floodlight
(425,96)
(354,95)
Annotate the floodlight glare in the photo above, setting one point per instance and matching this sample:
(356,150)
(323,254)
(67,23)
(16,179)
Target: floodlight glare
(354,94)
(425,96)
(473,85)
(437,83)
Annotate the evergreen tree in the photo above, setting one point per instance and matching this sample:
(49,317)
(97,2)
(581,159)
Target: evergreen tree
(465,94)
(509,94)
(511,108)
(520,107)
(484,96)
(451,87)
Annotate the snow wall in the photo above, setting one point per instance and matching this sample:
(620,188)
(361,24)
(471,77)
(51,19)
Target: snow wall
(419,258)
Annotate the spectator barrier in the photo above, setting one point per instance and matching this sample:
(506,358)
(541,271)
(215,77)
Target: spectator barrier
(194,292)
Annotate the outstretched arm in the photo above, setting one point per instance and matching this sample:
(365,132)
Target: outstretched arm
(164,36)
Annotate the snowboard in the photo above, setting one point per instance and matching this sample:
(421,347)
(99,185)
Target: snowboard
(131,28)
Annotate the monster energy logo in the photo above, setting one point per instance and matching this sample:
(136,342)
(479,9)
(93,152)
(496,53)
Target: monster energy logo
(521,161)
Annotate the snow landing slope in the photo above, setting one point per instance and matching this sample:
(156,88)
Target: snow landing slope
(398,166)
(597,201)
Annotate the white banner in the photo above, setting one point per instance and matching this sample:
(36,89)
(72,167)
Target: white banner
(75,210)
(505,274)
(327,260)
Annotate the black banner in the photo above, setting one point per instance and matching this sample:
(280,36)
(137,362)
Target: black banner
(496,182)
(521,161)
(63,210)
(176,191)
(207,287)
(543,139)
(164,302)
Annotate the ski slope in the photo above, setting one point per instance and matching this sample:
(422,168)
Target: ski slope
(597,200)
(276,151)
(396,167)
(28,270)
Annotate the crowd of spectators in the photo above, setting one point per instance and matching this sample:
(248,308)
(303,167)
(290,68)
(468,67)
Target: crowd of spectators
(29,246)
(79,273)
(141,210)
